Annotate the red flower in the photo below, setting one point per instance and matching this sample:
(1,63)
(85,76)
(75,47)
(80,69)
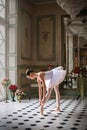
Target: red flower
(13,87)
(50,66)
(76,70)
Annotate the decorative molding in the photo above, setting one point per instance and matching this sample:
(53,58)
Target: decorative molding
(26,37)
(35,67)
(46,36)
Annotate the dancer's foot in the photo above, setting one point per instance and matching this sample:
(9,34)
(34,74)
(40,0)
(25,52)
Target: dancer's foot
(57,110)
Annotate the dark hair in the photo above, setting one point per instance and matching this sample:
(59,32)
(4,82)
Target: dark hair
(28,71)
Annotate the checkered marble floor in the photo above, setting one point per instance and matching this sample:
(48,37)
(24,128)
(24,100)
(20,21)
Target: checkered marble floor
(26,115)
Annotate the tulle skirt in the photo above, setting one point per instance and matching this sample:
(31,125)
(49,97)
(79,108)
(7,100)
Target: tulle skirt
(58,75)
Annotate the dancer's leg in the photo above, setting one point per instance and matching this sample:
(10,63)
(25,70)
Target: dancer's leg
(45,99)
(56,89)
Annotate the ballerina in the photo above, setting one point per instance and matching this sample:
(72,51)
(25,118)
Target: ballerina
(47,80)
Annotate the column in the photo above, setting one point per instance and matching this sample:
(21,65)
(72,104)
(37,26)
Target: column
(70,52)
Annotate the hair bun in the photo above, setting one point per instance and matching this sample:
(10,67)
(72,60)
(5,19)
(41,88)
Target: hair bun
(28,71)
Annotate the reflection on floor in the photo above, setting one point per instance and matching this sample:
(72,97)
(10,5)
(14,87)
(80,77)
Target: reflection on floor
(26,115)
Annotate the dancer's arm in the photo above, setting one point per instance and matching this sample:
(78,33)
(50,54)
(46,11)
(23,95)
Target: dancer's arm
(43,83)
(47,96)
(40,90)
(44,89)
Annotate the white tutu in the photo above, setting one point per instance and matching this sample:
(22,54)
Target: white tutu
(54,77)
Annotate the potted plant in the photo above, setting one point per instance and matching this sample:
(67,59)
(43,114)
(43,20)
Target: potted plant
(19,93)
(5,83)
(12,89)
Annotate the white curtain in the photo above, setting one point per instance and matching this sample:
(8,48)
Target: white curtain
(2,93)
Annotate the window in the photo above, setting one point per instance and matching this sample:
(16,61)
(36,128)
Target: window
(2,45)
(2,39)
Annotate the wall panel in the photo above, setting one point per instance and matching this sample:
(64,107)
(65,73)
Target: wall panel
(46,48)
(26,45)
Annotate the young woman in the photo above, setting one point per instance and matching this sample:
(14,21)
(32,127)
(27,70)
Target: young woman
(47,80)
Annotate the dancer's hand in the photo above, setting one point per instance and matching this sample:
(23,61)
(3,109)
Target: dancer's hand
(43,101)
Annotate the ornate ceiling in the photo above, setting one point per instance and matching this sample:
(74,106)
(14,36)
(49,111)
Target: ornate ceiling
(77,26)
(77,9)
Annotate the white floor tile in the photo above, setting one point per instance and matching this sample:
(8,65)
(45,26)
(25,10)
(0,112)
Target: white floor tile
(26,115)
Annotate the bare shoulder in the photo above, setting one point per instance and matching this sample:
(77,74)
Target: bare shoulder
(41,74)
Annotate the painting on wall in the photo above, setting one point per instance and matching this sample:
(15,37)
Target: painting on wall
(26,45)
(46,48)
